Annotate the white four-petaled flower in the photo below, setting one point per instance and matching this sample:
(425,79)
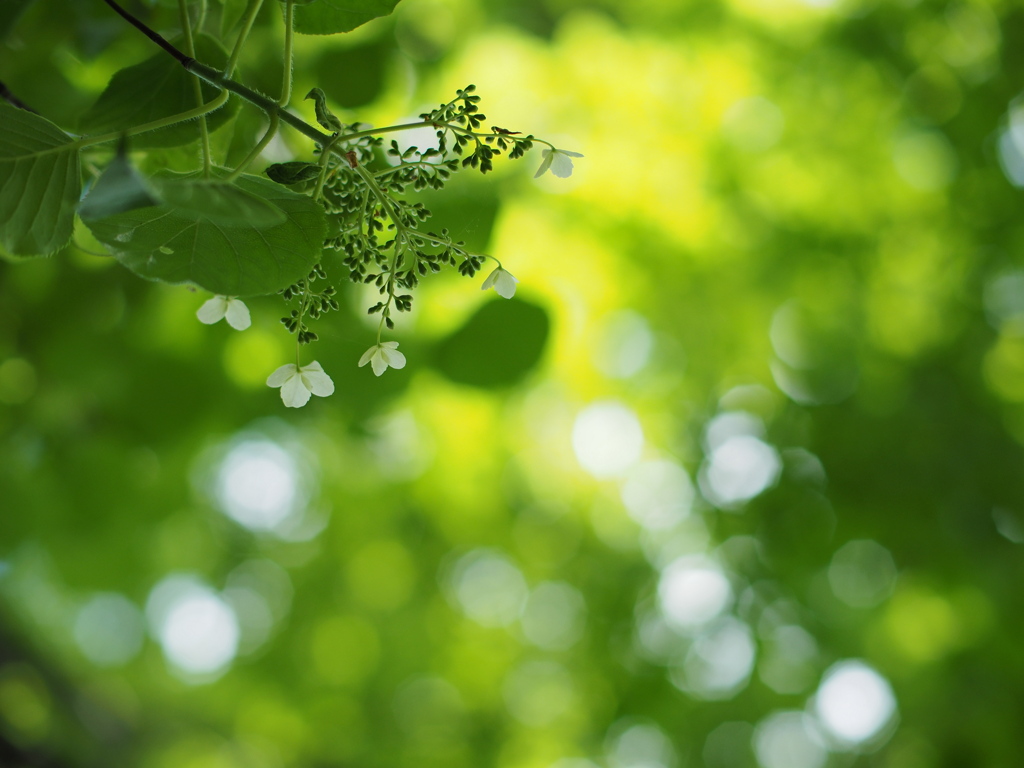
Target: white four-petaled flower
(502,282)
(559,161)
(381,356)
(234,310)
(297,383)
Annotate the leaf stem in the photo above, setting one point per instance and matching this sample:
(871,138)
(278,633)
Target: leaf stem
(217,102)
(197,87)
(302,314)
(286,84)
(325,156)
(247,21)
(271,131)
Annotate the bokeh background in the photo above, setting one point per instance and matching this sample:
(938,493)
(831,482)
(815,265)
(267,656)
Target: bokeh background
(734,481)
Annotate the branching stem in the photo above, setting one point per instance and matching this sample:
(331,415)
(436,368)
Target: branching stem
(223,81)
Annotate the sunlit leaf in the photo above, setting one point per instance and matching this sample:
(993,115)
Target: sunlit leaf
(498,346)
(40,183)
(177,245)
(157,88)
(327,17)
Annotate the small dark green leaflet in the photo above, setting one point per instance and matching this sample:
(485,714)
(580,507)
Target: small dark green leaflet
(240,257)
(40,184)
(293,172)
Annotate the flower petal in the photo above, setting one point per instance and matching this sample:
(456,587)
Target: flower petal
(570,154)
(389,344)
(294,393)
(281,375)
(367,355)
(317,382)
(549,156)
(213,310)
(561,164)
(505,286)
(378,362)
(238,315)
(492,278)
(393,357)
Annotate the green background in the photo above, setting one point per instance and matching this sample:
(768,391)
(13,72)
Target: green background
(796,227)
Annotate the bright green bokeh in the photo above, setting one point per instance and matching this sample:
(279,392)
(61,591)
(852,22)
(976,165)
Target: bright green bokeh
(774,315)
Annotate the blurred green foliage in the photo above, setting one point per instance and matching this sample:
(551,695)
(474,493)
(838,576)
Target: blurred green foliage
(766,363)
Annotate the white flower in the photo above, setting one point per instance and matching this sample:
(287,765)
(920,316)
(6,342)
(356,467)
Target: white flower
(297,383)
(224,306)
(558,161)
(382,355)
(502,282)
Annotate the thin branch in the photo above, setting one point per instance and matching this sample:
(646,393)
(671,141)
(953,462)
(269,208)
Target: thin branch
(223,81)
(154,36)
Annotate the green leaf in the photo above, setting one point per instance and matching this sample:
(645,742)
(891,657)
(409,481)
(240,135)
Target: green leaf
(497,347)
(324,116)
(293,172)
(179,245)
(40,183)
(327,17)
(120,188)
(219,202)
(154,89)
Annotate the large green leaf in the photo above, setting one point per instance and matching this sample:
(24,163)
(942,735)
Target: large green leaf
(177,245)
(499,344)
(219,202)
(121,189)
(40,183)
(328,17)
(154,89)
